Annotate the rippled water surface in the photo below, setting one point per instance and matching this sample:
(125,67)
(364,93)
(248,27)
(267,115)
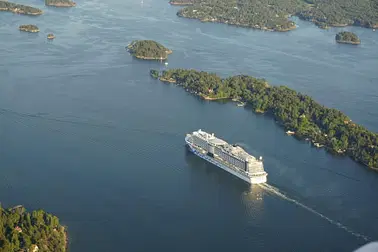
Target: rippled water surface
(87,135)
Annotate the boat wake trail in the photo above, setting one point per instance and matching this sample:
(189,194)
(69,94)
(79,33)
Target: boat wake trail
(277,192)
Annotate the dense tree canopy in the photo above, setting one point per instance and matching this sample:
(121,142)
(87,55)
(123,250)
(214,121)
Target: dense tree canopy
(22,231)
(148,49)
(29,28)
(273,14)
(19,8)
(294,111)
(347,37)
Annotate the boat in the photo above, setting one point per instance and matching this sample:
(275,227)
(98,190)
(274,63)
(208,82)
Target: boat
(241,104)
(229,157)
(289,132)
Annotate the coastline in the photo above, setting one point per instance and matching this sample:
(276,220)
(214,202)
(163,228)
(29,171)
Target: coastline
(315,132)
(256,27)
(318,23)
(153,58)
(19,11)
(348,42)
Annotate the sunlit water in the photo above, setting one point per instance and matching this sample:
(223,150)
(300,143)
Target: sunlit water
(87,135)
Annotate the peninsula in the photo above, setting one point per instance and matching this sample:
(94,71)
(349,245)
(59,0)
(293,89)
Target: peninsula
(273,15)
(35,231)
(296,112)
(148,50)
(347,38)
(60,3)
(29,28)
(19,8)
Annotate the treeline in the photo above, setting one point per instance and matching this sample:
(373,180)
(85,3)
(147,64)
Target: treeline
(24,231)
(273,14)
(19,8)
(294,111)
(148,49)
(347,37)
(264,14)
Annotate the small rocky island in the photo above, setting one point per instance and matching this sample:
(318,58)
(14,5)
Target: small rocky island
(148,50)
(50,36)
(19,8)
(347,38)
(60,3)
(36,231)
(29,28)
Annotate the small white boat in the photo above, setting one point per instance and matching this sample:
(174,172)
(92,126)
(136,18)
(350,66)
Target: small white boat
(166,63)
(241,104)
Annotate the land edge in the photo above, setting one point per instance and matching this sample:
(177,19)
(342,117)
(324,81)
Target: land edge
(375,26)
(259,112)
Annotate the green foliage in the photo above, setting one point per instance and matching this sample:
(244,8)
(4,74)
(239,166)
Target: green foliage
(273,14)
(29,27)
(292,110)
(347,37)
(19,8)
(148,49)
(20,230)
(154,73)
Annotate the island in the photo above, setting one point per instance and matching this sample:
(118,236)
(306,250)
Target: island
(345,37)
(295,112)
(273,15)
(50,36)
(29,28)
(148,50)
(19,8)
(35,231)
(60,3)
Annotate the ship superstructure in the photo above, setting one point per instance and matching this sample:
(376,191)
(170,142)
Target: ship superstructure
(231,158)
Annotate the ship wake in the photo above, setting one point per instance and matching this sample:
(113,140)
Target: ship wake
(277,192)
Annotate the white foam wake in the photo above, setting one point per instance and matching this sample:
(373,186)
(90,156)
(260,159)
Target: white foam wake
(277,192)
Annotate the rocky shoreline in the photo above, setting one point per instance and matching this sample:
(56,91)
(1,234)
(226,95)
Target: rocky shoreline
(29,28)
(19,8)
(61,3)
(154,58)
(237,24)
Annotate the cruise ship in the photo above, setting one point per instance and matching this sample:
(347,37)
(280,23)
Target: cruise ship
(231,158)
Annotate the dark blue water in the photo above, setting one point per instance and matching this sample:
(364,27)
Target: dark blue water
(87,135)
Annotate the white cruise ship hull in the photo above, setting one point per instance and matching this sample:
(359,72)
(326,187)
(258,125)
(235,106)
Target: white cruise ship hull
(248,179)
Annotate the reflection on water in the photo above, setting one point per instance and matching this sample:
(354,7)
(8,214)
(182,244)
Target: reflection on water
(253,200)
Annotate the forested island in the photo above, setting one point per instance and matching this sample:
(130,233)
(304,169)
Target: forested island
(19,8)
(29,28)
(148,49)
(296,112)
(35,231)
(347,38)
(273,14)
(60,3)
